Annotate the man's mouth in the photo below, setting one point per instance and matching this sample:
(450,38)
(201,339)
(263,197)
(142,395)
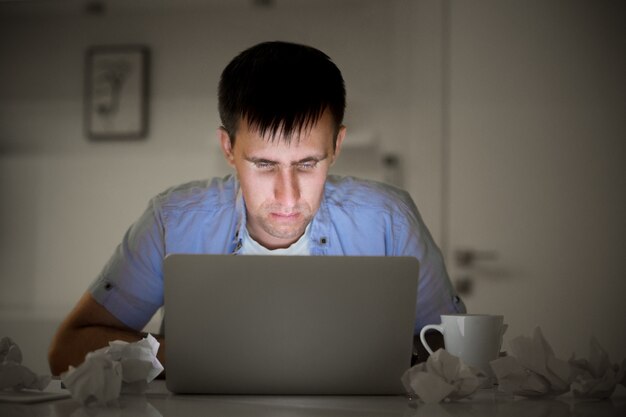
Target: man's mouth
(285,216)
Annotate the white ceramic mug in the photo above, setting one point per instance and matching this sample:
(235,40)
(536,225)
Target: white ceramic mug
(475,338)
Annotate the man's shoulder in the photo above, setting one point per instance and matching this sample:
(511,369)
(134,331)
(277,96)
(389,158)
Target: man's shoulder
(209,195)
(344,191)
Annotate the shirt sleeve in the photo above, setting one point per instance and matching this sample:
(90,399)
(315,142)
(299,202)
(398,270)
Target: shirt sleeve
(435,294)
(130,285)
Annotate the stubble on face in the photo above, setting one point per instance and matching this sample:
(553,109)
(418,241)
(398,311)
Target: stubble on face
(285,223)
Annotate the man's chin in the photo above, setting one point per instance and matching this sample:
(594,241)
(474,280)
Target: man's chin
(285,233)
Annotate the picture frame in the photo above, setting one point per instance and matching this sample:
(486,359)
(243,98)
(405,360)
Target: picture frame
(116,92)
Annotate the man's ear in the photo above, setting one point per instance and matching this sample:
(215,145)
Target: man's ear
(226,145)
(340,135)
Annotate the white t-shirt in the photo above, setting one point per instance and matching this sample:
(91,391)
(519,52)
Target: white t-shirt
(250,246)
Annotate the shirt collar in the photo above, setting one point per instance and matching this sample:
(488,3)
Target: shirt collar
(240,213)
(320,227)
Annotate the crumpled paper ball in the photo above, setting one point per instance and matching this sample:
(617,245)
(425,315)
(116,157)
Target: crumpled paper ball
(139,362)
(596,377)
(513,378)
(107,372)
(442,376)
(14,375)
(98,380)
(532,369)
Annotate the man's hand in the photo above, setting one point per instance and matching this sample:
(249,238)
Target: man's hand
(88,327)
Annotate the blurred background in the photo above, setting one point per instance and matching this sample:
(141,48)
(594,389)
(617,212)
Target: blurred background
(504,119)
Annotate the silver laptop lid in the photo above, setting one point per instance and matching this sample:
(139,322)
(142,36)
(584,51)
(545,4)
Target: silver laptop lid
(288,324)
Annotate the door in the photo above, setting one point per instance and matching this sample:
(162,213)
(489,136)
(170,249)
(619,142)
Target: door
(536,132)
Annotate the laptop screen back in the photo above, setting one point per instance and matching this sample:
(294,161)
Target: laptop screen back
(288,325)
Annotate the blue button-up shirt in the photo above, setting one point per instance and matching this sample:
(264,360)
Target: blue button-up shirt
(355,217)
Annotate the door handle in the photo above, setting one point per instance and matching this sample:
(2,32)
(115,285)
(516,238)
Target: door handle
(466,258)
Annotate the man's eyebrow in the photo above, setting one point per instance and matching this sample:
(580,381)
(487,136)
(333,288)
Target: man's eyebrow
(255,160)
(312,158)
(315,158)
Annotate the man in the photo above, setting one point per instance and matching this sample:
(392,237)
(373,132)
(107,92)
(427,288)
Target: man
(282,107)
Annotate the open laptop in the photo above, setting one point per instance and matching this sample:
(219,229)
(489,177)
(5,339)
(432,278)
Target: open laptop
(308,325)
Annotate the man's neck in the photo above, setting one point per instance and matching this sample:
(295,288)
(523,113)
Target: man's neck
(250,246)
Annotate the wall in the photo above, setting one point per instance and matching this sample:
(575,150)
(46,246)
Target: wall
(537,136)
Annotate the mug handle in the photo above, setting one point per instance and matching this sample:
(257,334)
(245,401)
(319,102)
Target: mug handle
(423,333)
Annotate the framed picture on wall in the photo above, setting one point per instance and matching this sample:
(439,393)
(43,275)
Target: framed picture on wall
(116,92)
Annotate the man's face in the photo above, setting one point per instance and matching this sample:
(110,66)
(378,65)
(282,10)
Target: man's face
(282,183)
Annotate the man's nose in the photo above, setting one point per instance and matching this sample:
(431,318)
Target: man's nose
(287,189)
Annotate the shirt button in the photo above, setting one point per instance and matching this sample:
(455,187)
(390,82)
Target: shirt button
(323,241)
(108,286)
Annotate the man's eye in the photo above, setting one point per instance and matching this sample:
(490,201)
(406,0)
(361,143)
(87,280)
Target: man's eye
(263,165)
(307,165)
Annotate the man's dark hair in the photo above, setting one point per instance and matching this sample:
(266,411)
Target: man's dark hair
(280,88)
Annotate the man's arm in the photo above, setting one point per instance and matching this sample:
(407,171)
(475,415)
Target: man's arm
(88,327)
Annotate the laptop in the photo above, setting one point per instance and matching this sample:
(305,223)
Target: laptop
(283,325)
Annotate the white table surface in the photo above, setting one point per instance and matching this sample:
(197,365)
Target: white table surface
(159,402)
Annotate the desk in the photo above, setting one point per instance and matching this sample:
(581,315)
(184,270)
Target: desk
(158,402)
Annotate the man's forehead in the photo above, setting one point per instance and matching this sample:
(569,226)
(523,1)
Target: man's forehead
(307,146)
(253,142)
(253,147)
